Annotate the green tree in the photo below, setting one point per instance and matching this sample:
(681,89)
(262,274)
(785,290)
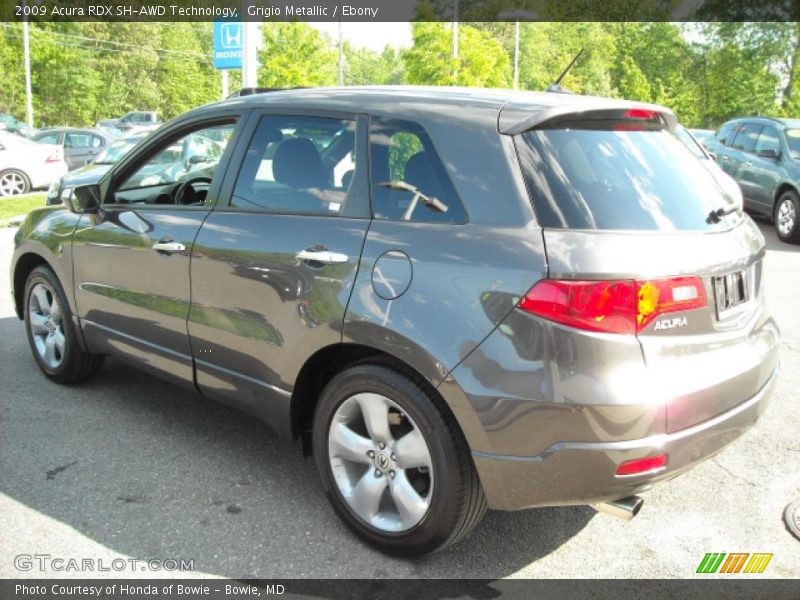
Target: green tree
(184,77)
(366,67)
(296,54)
(482,61)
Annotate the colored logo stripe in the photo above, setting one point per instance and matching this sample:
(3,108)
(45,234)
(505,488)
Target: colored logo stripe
(713,562)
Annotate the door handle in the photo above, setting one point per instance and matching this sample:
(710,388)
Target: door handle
(169,247)
(322,256)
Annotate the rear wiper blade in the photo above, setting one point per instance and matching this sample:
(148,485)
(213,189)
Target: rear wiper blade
(715,216)
(429,201)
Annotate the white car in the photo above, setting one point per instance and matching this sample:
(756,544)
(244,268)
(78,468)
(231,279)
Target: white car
(27,165)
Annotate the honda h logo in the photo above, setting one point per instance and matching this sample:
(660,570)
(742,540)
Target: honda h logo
(231,35)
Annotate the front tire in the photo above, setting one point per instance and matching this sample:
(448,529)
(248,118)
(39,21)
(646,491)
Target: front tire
(51,334)
(395,467)
(787,217)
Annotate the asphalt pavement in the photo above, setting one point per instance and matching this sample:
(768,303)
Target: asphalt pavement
(126,466)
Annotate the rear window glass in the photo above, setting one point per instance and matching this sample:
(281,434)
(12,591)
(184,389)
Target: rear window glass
(612,175)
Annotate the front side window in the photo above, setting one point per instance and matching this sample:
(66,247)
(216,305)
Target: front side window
(747,136)
(768,141)
(180,171)
(300,165)
(409,181)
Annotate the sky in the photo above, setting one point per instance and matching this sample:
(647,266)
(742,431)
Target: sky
(370,35)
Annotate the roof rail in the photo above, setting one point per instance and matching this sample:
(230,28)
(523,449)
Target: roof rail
(249,91)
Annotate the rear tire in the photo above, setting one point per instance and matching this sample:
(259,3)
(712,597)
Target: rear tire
(395,467)
(51,333)
(14,183)
(787,217)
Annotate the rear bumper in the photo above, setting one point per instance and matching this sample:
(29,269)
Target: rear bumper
(583,472)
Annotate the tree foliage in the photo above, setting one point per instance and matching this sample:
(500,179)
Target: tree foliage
(294,55)
(706,72)
(481,62)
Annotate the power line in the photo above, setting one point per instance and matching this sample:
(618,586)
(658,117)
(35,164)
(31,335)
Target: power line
(100,41)
(115,51)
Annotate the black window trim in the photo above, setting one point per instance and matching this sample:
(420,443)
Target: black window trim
(225,196)
(130,162)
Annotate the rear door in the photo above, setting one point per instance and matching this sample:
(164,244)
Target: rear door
(626,201)
(80,147)
(275,261)
(131,259)
(763,169)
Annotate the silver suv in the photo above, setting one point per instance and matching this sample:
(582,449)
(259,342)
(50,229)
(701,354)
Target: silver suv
(455,299)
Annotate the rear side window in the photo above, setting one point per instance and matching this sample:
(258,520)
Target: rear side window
(746,138)
(301,165)
(403,162)
(607,174)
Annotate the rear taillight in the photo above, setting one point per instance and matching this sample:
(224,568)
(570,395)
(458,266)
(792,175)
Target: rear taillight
(56,156)
(624,306)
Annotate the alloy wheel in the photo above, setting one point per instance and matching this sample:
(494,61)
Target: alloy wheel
(786,217)
(47,330)
(12,184)
(381,462)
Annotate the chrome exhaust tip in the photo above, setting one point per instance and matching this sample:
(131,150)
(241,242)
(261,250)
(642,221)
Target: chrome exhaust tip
(624,508)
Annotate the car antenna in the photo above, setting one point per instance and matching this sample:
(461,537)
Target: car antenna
(556,87)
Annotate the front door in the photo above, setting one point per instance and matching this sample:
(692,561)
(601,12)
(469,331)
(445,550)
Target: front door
(131,259)
(274,265)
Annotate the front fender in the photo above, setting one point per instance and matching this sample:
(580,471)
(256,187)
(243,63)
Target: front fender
(45,236)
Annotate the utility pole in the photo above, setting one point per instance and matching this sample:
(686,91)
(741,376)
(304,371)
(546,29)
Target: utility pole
(455,28)
(250,55)
(455,37)
(516,55)
(341,54)
(225,84)
(26,44)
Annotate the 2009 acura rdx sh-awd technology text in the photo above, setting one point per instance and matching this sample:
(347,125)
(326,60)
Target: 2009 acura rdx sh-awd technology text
(455,298)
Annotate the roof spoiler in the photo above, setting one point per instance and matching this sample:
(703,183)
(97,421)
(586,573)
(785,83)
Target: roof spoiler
(514,120)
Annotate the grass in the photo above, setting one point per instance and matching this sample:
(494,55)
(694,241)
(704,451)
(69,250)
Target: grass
(15,206)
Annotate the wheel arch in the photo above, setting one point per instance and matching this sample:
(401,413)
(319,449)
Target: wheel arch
(25,264)
(780,191)
(327,362)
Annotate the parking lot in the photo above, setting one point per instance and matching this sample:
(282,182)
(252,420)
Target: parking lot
(127,466)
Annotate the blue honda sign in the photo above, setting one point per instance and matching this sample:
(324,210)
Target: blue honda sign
(228,44)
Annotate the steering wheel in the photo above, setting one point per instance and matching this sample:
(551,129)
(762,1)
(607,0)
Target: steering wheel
(179,191)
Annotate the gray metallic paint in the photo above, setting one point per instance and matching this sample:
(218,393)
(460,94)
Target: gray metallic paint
(520,387)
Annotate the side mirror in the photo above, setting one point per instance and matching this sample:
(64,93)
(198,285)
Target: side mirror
(84,198)
(769,153)
(196,159)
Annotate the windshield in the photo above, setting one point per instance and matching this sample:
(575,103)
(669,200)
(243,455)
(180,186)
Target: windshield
(608,174)
(793,140)
(116,151)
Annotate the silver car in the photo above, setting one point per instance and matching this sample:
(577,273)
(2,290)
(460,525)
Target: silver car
(454,299)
